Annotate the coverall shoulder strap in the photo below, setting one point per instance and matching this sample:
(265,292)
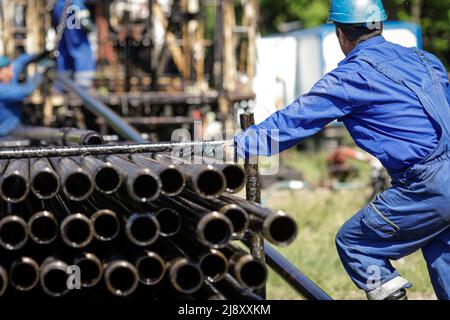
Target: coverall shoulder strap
(429,93)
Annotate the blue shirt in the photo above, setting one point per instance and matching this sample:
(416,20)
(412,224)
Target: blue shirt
(12,95)
(384,118)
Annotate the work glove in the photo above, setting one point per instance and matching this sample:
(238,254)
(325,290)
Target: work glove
(45,65)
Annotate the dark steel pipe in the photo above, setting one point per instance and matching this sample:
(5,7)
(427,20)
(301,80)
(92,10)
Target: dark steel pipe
(121,278)
(212,229)
(15,181)
(107,177)
(233,290)
(101,110)
(172,179)
(170,222)
(185,276)
(43,228)
(45,183)
(13,232)
(3,280)
(276,226)
(91,269)
(106,225)
(293,276)
(142,229)
(76,137)
(24,274)
(53,277)
(77,230)
(206,180)
(214,265)
(141,184)
(60,136)
(77,183)
(249,271)
(151,268)
(237,215)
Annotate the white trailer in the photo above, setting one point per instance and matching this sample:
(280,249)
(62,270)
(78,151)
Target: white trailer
(289,64)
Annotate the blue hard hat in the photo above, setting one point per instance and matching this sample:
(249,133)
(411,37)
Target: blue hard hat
(357,11)
(4,61)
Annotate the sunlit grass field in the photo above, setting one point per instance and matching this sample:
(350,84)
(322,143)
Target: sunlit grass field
(319,214)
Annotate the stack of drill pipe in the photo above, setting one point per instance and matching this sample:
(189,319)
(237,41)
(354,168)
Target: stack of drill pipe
(140,225)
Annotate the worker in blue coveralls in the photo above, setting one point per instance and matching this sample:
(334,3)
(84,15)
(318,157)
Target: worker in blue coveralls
(395,102)
(13,92)
(75,56)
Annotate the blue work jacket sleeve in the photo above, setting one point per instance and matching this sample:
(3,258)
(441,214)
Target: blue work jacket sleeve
(20,64)
(18,92)
(327,101)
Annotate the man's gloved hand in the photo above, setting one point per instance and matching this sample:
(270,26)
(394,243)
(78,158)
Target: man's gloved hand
(45,65)
(45,54)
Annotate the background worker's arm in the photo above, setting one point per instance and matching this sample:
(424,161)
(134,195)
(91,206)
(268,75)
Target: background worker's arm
(17,92)
(328,100)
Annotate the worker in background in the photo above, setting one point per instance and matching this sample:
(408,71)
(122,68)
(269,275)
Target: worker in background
(75,57)
(395,102)
(13,92)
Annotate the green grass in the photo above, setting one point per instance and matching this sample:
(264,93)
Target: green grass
(319,214)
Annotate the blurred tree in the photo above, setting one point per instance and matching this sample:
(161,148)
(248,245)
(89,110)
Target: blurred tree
(432,15)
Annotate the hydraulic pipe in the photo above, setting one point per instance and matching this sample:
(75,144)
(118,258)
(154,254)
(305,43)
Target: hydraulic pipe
(77,183)
(142,229)
(293,276)
(206,180)
(24,274)
(233,290)
(212,229)
(172,179)
(45,183)
(53,277)
(15,181)
(276,226)
(107,177)
(151,268)
(43,227)
(61,136)
(13,232)
(91,269)
(170,222)
(249,271)
(185,276)
(121,277)
(141,184)
(106,225)
(237,215)
(76,228)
